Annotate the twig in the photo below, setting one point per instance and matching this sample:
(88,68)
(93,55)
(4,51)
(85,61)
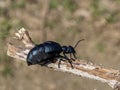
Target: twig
(81,67)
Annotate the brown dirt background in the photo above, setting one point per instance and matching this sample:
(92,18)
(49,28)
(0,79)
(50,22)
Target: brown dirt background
(67,21)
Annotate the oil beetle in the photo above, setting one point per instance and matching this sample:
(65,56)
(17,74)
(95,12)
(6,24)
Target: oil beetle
(49,51)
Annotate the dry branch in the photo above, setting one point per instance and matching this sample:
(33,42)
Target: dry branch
(81,67)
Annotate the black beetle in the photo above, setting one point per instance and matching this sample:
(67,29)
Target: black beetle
(49,51)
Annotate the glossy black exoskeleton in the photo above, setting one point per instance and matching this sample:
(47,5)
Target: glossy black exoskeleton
(49,51)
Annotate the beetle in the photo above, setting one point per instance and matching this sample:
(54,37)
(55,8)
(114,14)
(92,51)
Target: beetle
(49,51)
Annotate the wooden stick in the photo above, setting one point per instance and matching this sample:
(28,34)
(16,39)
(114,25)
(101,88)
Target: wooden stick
(81,67)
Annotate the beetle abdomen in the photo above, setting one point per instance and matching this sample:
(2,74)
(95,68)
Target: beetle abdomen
(52,47)
(36,55)
(43,52)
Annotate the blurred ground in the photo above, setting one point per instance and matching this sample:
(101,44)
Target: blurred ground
(97,21)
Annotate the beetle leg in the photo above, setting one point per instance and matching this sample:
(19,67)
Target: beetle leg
(71,57)
(59,63)
(62,58)
(70,63)
(74,56)
(69,60)
(44,63)
(65,56)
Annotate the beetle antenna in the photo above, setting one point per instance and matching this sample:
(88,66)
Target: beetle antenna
(78,42)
